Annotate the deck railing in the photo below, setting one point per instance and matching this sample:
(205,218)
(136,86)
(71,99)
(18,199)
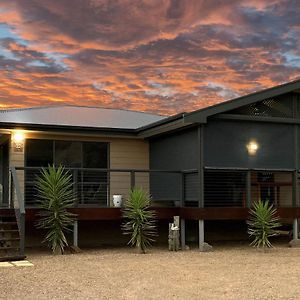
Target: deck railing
(96,187)
(222,187)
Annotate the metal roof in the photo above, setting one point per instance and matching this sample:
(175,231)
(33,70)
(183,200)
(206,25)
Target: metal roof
(79,116)
(96,118)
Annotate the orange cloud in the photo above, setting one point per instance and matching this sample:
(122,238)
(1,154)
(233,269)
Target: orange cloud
(162,56)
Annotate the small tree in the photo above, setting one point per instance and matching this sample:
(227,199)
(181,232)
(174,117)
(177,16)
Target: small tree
(140,220)
(55,195)
(262,224)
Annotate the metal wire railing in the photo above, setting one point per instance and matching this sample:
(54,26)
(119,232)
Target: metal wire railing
(222,187)
(96,187)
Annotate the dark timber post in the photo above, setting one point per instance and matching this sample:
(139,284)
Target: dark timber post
(248,189)
(75,188)
(295,173)
(22,234)
(200,185)
(132,179)
(182,221)
(75,233)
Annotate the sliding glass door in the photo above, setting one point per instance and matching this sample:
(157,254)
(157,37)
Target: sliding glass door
(83,159)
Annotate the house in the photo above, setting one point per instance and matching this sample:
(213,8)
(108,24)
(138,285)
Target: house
(209,164)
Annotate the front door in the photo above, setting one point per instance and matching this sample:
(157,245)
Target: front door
(4,174)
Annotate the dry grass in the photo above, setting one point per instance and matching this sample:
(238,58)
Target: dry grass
(232,272)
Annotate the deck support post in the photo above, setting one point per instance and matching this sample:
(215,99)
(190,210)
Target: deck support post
(202,244)
(182,233)
(248,189)
(295,194)
(22,234)
(295,229)
(201,235)
(200,168)
(75,234)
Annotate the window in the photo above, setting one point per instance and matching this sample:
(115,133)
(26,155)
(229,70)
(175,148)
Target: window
(91,185)
(95,155)
(39,153)
(68,154)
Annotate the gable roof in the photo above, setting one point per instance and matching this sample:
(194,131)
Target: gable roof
(129,122)
(78,116)
(202,114)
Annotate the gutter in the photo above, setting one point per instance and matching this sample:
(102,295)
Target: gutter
(70,129)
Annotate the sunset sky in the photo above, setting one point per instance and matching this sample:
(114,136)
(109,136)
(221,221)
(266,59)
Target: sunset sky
(163,56)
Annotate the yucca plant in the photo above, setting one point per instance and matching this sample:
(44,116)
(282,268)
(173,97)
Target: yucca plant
(140,221)
(55,195)
(262,224)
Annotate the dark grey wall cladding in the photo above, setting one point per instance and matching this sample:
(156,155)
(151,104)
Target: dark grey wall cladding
(174,152)
(225,144)
(177,151)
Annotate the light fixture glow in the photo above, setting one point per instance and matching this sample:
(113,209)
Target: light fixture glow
(18,139)
(252,147)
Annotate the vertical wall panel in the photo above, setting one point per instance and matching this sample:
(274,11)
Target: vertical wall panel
(177,151)
(225,144)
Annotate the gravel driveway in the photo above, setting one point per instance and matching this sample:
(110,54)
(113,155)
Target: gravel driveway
(232,272)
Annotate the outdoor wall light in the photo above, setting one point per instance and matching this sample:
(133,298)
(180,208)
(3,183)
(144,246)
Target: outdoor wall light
(252,147)
(18,139)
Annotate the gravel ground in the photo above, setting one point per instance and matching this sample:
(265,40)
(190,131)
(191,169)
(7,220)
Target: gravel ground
(230,272)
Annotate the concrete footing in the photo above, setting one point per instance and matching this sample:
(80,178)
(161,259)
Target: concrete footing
(203,247)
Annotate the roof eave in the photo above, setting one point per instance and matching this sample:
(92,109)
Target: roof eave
(171,124)
(66,128)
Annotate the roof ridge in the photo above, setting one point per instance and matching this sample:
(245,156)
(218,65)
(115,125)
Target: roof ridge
(77,106)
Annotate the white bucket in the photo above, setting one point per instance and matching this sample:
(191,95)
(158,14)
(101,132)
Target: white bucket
(117,200)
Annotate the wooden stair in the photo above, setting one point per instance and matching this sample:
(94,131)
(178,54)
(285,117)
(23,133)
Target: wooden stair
(9,238)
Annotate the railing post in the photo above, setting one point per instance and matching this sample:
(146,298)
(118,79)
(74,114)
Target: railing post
(75,187)
(10,191)
(132,179)
(108,189)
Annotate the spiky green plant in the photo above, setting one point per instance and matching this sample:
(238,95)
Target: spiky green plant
(140,221)
(55,195)
(262,224)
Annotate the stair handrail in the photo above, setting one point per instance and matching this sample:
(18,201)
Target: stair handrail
(19,196)
(18,205)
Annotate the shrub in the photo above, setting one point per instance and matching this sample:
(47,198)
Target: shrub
(140,220)
(262,224)
(55,195)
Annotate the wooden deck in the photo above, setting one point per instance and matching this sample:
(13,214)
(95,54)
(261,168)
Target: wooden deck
(164,213)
